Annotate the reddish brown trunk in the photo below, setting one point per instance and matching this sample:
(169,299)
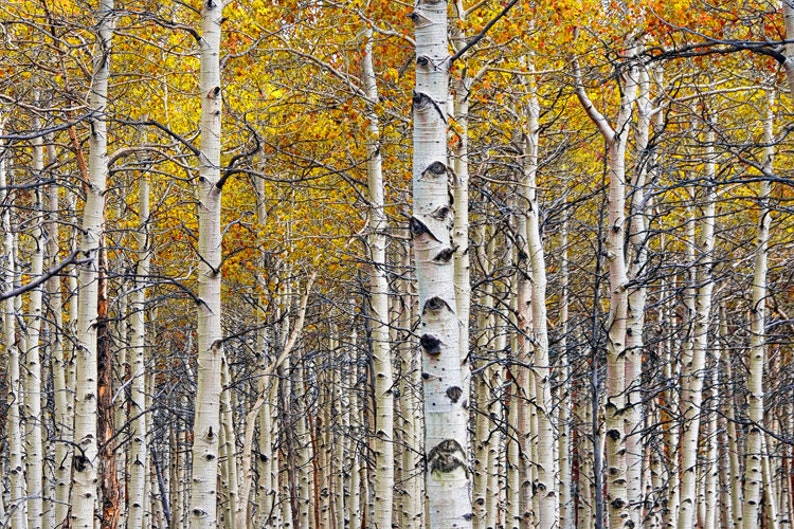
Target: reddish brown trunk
(111,488)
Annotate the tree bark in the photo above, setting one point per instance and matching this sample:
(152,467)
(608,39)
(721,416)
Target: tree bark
(206,423)
(86,461)
(447,477)
(383,478)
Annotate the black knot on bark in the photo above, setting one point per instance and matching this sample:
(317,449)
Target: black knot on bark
(441,213)
(437,168)
(417,227)
(421,100)
(454,393)
(430,344)
(444,256)
(446,457)
(81,463)
(434,304)
(422,61)
(613,434)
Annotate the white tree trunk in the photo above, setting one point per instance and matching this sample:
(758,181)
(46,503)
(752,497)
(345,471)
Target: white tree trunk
(619,497)
(206,424)
(62,415)
(383,478)
(460,195)
(546,483)
(754,483)
(32,384)
(138,456)
(16,507)
(692,371)
(86,461)
(446,444)
(565,395)
(637,295)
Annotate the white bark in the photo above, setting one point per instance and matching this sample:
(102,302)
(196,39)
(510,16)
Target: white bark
(32,383)
(16,507)
(447,474)
(460,194)
(692,370)
(788,65)
(637,295)
(754,455)
(138,456)
(206,424)
(546,483)
(383,478)
(61,393)
(86,461)
(619,497)
(565,395)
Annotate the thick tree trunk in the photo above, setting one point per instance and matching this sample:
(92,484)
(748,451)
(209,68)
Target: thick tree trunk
(206,423)
(85,461)
(446,443)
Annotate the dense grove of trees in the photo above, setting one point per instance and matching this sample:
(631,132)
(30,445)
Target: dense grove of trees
(369,264)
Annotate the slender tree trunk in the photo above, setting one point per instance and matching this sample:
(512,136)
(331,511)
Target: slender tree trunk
(754,484)
(206,423)
(565,395)
(110,487)
(692,370)
(379,304)
(545,486)
(138,455)
(229,496)
(619,497)
(637,295)
(32,374)
(446,444)
(86,461)
(61,393)
(482,438)
(460,195)
(16,466)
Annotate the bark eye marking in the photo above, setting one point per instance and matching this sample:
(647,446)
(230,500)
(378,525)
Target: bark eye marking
(446,457)
(454,393)
(437,168)
(441,213)
(444,256)
(417,227)
(434,305)
(431,344)
(81,462)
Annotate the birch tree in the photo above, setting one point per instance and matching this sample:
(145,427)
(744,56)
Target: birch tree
(138,457)
(206,422)
(617,141)
(85,460)
(446,445)
(754,449)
